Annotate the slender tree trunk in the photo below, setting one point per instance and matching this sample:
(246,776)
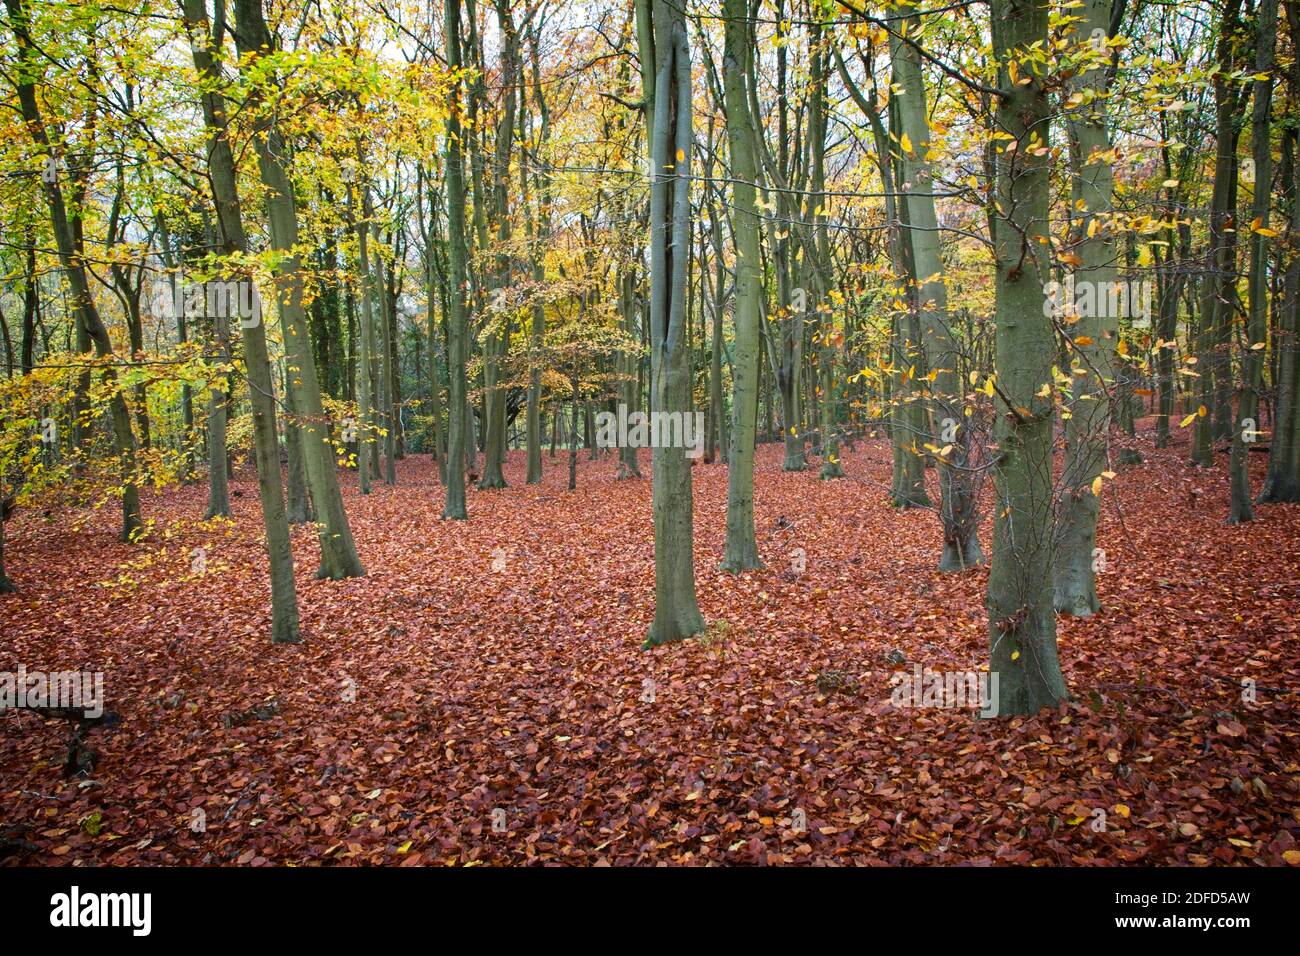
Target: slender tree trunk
(1252,359)
(574,405)
(387,422)
(716,401)
(661,29)
(454,503)
(72,258)
(6,586)
(365,338)
(338,551)
(222,175)
(741,550)
(1283,481)
(1092,338)
(1022,620)
(957,510)
(218,472)
(299,507)
(1218,285)
(628,454)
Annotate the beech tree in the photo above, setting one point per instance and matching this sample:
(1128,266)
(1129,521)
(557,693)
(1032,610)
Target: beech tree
(666,72)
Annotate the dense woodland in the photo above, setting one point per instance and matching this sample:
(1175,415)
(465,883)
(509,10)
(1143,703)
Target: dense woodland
(315,317)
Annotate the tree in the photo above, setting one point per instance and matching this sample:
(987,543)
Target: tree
(1022,619)
(72,255)
(1252,359)
(1283,480)
(661,34)
(741,551)
(454,501)
(338,551)
(1092,338)
(205,48)
(957,510)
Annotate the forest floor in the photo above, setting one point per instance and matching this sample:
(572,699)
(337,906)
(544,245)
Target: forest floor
(490,672)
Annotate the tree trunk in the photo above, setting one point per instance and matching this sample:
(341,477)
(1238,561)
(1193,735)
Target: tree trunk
(222,175)
(72,258)
(1092,339)
(1252,360)
(299,507)
(741,550)
(661,28)
(338,551)
(454,502)
(957,510)
(387,423)
(1022,620)
(1283,481)
(1218,296)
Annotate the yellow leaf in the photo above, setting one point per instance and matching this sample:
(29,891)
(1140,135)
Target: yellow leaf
(905,143)
(1187,421)
(405,847)
(1096,486)
(1122,809)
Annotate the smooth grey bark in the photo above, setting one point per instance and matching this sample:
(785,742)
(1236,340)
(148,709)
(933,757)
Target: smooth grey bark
(903,423)
(574,405)
(1022,619)
(661,28)
(218,472)
(1092,339)
(365,347)
(958,512)
(628,308)
(454,500)
(386,419)
(538,231)
(741,549)
(434,290)
(496,345)
(298,508)
(720,442)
